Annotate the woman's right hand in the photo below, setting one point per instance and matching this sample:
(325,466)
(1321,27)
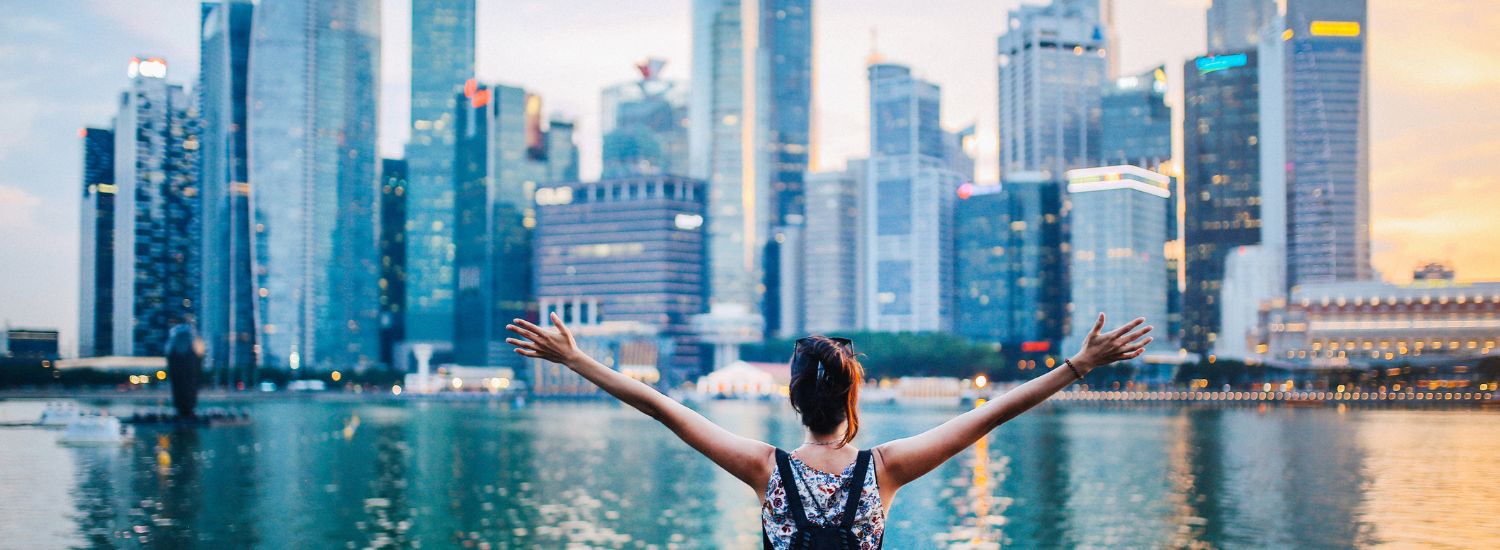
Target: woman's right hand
(551,344)
(1101,349)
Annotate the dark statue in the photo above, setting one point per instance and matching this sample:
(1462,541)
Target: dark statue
(184,368)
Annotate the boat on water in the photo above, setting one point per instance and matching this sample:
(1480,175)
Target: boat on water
(59,415)
(100,429)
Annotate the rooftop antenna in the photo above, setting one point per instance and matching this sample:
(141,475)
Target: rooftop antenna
(874,56)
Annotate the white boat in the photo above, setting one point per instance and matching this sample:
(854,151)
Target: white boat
(95,430)
(58,415)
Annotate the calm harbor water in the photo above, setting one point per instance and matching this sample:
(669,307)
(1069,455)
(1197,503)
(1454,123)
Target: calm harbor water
(315,474)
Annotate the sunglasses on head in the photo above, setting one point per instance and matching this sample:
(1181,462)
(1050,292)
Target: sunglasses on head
(843,343)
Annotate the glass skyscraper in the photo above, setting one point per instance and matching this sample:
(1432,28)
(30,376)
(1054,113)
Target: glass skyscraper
(1221,182)
(830,252)
(502,156)
(156,233)
(1011,269)
(1053,63)
(1235,25)
(1116,254)
(442,58)
(314,87)
(909,192)
(226,317)
(749,136)
(393,182)
(645,125)
(1325,81)
(97,245)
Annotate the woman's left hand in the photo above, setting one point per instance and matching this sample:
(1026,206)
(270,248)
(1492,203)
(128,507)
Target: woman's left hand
(551,344)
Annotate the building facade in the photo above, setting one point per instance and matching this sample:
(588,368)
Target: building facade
(393,182)
(1116,246)
(442,59)
(1235,25)
(749,138)
(312,151)
(645,125)
(156,250)
(627,250)
(1053,63)
(96,245)
(29,343)
(831,252)
(1221,182)
(1011,265)
(909,187)
(226,318)
(1327,141)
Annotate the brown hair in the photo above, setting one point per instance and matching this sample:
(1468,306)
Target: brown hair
(826,377)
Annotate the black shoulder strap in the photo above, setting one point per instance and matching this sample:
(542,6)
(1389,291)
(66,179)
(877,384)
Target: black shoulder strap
(789,483)
(856,488)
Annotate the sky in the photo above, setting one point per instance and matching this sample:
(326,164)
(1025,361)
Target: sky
(1434,74)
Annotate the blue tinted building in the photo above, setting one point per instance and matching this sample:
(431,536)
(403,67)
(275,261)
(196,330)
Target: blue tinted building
(645,125)
(393,182)
(1221,182)
(909,190)
(442,58)
(97,245)
(312,153)
(226,318)
(1011,265)
(1116,261)
(1053,63)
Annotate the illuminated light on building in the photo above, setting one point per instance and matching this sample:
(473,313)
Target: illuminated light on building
(1334,28)
(1109,178)
(151,67)
(1213,63)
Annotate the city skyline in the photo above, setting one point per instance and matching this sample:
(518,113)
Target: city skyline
(37,200)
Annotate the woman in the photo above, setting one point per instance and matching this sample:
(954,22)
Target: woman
(825,390)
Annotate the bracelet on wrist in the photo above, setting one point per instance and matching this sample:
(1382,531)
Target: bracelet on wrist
(1074,368)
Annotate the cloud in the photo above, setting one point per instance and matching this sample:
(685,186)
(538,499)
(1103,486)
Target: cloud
(17,209)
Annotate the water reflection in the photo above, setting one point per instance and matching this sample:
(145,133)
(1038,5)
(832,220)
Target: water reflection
(313,474)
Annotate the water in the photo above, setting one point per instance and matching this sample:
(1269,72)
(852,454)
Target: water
(314,474)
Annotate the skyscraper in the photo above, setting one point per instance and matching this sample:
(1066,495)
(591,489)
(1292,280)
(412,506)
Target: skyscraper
(831,252)
(1327,141)
(909,190)
(1137,129)
(314,86)
(627,250)
(1235,25)
(393,182)
(749,137)
(226,317)
(442,58)
(502,156)
(1221,171)
(1116,253)
(644,124)
(1053,64)
(97,245)
(155,271)
(1011,266)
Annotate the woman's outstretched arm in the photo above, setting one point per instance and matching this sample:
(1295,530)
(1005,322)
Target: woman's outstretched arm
(744,458)
(905,460)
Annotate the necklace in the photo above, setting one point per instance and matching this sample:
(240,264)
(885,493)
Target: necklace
(822,443)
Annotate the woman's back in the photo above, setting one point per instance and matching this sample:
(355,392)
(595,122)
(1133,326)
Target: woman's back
(824,499)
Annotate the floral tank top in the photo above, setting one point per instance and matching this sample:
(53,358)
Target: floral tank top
(824,497)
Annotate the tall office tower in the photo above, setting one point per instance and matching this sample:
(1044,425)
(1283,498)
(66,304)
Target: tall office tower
(960,148)
(1117,245)
(314,85)
(156,230)
(226,317)
(502,156)
(626,250)
(1011,269)
(827,256)
(1137,129)
(909,189)
(97,245)
(749,138)
(562,154)
(393,181)
(442,59)
(1327,141)
(1235,25)
(1053,63)
(645,125)
(1221,187)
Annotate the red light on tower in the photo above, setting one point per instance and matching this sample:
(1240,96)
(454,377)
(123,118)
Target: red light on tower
(966,190)
(83,132)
